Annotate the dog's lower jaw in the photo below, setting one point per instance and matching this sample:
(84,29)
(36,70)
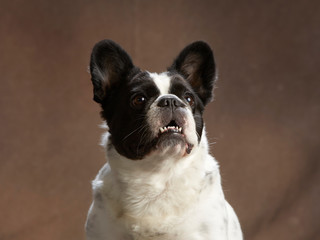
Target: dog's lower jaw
(176,145)
(172,150)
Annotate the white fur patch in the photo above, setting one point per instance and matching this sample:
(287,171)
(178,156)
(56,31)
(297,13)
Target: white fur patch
(162,81)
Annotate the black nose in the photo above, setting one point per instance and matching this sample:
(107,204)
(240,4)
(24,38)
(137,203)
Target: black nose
(170,102)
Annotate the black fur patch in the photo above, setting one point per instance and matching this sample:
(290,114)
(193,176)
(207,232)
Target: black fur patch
(128,127)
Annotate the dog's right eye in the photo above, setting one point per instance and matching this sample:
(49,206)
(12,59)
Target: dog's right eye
(139,100)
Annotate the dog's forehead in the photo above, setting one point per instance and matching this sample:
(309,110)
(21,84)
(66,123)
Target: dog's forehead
(162,81)
(159,83)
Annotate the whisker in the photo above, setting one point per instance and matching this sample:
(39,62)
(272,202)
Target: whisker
(143,135)
(131,133)
(139,128)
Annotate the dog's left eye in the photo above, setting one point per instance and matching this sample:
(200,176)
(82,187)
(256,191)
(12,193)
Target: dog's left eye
(189,99)
(138,100)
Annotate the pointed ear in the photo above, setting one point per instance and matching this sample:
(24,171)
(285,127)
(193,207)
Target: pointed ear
(196,64)
(109,64)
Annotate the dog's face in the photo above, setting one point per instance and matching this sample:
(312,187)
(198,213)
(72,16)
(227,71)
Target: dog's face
(149,113)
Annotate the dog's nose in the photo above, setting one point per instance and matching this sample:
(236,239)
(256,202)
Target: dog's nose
(170,102)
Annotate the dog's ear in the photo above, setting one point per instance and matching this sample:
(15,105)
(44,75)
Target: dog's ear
(196,63)
(109,64)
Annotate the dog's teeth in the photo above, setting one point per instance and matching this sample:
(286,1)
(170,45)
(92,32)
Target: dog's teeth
(170,128)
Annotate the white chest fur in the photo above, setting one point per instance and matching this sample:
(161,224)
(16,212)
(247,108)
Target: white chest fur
(179,199)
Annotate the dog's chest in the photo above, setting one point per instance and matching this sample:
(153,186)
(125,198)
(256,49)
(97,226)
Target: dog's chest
(159,209)
(158,199)
(166,219)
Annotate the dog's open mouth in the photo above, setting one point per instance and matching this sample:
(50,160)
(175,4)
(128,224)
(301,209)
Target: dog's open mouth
(172,127)
(174,131)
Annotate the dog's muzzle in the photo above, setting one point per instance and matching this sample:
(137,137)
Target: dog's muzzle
(172,121)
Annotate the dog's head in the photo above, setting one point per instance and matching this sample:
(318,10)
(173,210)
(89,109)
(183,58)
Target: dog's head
(149,113)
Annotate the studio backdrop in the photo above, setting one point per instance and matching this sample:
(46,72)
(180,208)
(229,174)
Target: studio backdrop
(263,125)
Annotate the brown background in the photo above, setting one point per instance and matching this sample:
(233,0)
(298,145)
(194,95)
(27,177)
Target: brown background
(264,121)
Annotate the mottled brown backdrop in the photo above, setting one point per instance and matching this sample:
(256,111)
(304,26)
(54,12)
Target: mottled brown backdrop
(263,125)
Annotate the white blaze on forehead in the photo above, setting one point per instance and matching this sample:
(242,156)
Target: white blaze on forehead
(162,81)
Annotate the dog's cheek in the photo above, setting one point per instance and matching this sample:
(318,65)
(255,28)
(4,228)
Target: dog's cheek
(190,129)
(154,120)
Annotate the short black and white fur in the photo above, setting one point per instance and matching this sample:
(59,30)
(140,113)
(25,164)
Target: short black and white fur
(159,182)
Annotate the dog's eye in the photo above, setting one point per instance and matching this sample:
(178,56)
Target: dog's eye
(138,100)
(189,99)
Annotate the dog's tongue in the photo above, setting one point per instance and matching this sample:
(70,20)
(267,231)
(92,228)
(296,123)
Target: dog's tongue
(189,148)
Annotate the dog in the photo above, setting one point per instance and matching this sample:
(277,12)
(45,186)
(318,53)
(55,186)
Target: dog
(159,182)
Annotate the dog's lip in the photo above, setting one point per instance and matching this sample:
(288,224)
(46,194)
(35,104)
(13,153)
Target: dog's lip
(189,148)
